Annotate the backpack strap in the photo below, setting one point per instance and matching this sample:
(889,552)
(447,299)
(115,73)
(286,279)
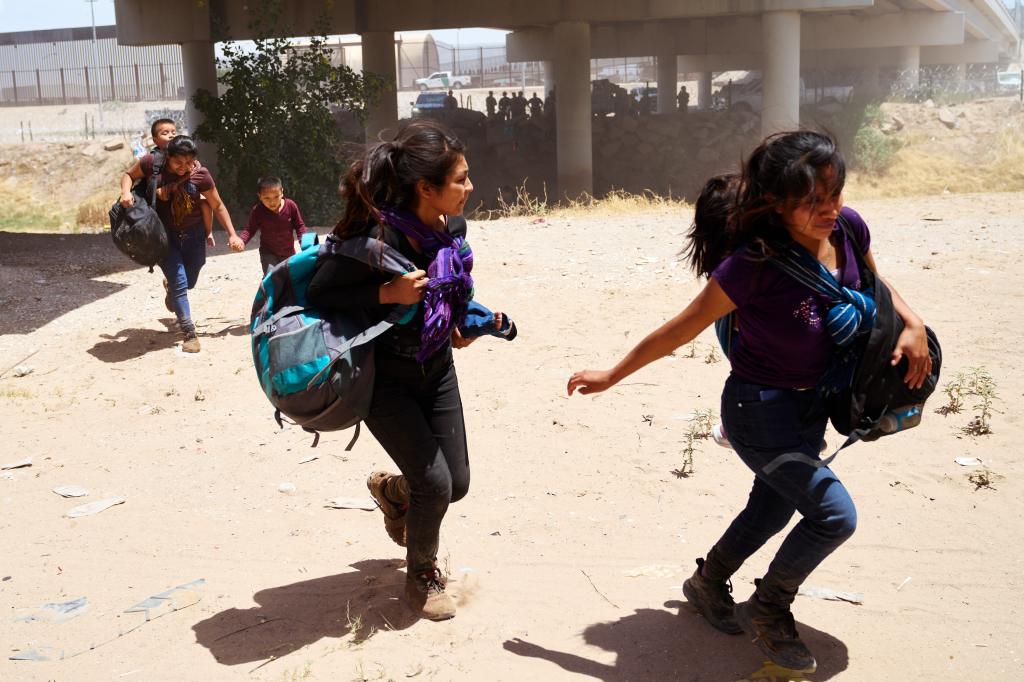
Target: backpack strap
(154,180)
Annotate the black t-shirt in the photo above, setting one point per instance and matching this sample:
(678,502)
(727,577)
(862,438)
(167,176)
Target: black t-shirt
(343,283)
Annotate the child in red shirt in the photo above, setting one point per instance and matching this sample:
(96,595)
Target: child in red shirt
(277,218)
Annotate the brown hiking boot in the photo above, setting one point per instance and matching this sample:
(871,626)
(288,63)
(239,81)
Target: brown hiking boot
(168,301)
(713,600)
(772,628)
(394,512)
(191,342)
(425,592)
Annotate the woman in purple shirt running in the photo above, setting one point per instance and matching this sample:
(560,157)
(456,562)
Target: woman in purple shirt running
(790,190)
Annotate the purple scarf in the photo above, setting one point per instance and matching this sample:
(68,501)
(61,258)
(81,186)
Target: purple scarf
(450,287)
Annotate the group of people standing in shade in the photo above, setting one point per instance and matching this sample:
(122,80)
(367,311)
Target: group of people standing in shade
(410,191)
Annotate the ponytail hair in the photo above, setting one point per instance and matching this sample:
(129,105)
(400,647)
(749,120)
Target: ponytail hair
(388,172)
(710,239)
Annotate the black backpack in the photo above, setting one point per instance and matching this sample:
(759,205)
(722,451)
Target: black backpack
(864,394)
(137,230)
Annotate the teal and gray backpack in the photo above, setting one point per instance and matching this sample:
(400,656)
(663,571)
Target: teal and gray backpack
(316,366)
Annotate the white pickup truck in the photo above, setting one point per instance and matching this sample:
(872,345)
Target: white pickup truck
(444,80)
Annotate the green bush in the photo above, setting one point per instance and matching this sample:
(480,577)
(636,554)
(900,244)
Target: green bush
(275,116)
(873,151)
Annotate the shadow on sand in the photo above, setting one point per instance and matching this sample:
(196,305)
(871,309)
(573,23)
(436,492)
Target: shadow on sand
(652,644)
(290,617)
(132,343)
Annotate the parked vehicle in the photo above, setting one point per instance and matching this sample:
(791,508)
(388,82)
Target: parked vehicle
(1008,81)
(638,92)
(428,101)
(747,95)
(443,80)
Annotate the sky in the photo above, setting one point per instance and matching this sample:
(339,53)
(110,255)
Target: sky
(32,15)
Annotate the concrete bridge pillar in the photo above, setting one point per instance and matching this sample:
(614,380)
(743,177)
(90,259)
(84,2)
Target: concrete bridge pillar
(781,86)
(704,91)
(909,66)
(379,58)
(667,76)
(200,71)
(549,77)
(574,149)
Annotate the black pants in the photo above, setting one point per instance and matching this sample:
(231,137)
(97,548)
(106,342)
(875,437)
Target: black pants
(417,418)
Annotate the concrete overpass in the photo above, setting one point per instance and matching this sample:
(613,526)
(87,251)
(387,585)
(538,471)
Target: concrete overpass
(775,36)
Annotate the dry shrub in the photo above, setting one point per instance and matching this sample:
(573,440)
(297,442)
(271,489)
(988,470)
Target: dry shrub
(616,202)
(920,168)
(93,212)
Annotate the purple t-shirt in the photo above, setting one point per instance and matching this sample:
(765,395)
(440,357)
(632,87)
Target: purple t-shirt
(781,338)
(182,211)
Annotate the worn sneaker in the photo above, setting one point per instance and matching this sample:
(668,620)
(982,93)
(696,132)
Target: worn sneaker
(773,630)
(168,301)
(191,342)
(394,513)
(713,599)
(426,595)
(719,436)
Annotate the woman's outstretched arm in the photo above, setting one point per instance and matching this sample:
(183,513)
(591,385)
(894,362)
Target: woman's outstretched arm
(709,305)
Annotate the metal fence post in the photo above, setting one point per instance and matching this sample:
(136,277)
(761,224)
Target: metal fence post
(113,94)
(63,87)
(39,90)
(88,96)
(138,88)
(14,81)
(163,82)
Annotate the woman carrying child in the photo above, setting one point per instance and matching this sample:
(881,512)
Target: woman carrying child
(790,192)
(179,186)
(410,194)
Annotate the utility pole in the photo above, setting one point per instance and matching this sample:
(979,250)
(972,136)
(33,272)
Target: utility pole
(96,59)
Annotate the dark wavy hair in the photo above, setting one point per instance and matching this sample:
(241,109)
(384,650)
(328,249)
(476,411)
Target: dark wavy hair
(786,170)
(709,239)
(387,174)
(182,145)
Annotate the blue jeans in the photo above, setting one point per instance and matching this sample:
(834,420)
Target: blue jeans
(186,256)
(764,422)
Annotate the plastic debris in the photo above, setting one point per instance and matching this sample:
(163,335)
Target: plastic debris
(71,491)
(94,507)
(903,584)
(307,460)
(169,600)
(286,487)
(46,653)
(831,595)
(968,461)
(56,612)
(27,462)
(364,503)
(23,370)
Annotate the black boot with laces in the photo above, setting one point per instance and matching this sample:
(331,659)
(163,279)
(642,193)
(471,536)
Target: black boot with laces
(713,599)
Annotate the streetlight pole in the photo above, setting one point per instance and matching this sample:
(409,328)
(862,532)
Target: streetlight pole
(96,60)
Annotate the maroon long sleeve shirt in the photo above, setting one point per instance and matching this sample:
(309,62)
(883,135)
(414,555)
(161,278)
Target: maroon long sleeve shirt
(278,231)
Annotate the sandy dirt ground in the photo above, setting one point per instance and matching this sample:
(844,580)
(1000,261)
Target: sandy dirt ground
(568,554)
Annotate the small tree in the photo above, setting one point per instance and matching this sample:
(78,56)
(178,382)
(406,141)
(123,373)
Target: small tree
(278,115)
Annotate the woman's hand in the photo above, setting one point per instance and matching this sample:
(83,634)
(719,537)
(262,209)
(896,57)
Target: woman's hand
(590,381)
(210,241)
(236,244)
(127,200)
(460,341)
(913,343)
(406,289)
